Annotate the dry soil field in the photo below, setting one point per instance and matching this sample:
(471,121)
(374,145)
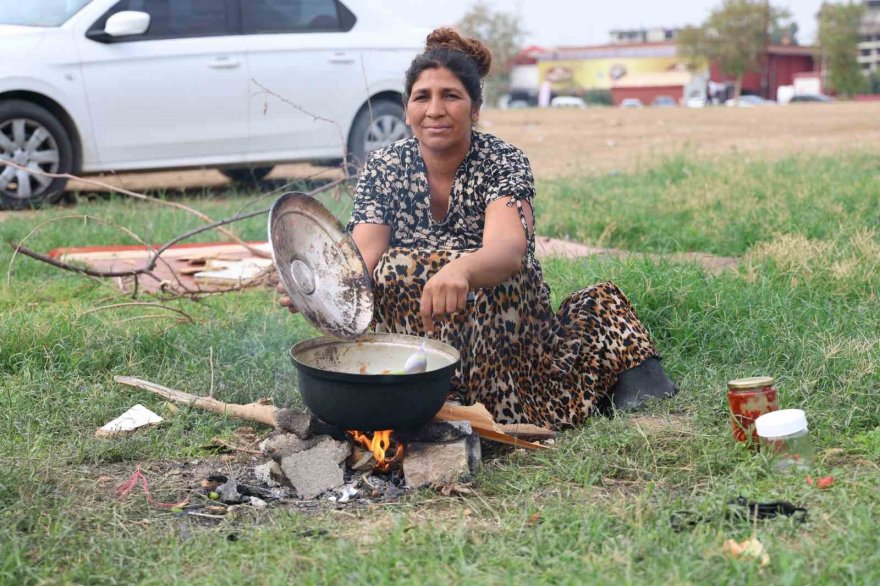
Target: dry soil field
(600,140)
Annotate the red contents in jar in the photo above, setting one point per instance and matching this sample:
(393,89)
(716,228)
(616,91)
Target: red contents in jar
(749,398)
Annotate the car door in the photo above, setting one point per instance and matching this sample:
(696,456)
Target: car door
(174,96)
(305,77)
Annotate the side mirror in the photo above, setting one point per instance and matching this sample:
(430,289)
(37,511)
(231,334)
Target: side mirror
(122,24)
(127,23)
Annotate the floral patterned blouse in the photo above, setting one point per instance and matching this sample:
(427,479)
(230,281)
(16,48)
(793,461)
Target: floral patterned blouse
(393,190)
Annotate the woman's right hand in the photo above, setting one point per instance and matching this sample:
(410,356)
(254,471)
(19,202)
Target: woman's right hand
(284,300)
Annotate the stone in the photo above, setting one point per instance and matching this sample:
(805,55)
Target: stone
(427,464)
(305,425)
(280,444)
(316,469)
(269,474)
(438,431)
(229,494)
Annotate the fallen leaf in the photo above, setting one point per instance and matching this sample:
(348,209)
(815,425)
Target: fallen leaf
(825,482)
(453,489)
(822,483)
(751,548)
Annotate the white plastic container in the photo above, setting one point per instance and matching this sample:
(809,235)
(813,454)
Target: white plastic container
(784,437)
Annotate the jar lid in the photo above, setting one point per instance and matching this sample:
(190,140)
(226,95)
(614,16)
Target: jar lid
(781,423)
(754,382)
(320,266)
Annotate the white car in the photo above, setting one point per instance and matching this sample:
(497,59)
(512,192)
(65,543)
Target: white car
(567,102)
(631,103)
(749,101)
(99,85)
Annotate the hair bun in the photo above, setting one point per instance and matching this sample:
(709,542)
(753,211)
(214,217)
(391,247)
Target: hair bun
(448,38)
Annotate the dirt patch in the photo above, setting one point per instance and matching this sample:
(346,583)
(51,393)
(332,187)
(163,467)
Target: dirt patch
(565,143)
(550,247)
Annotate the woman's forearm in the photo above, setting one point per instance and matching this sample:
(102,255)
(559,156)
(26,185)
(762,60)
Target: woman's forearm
(490,266)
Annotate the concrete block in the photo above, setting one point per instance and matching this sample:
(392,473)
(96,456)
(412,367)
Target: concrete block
(316,469)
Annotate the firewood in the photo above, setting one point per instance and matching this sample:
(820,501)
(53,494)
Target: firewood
(302,424)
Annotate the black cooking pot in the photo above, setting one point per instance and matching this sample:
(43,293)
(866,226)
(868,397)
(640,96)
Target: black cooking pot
(342,381)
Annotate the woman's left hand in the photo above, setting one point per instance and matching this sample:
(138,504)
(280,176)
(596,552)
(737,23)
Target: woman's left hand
(444,293)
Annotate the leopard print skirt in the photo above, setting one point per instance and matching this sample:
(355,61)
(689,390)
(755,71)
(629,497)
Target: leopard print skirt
(524,362)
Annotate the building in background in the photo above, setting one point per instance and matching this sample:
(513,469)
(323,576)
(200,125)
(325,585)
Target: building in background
(869,31)
(650,35)
(779,66)
(647,70)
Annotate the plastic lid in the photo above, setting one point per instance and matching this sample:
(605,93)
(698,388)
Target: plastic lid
(754,382)
(781,423)
(320,266)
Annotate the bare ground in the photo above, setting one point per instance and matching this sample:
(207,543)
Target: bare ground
(568,142)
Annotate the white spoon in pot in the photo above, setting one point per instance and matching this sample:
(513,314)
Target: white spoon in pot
(418,361)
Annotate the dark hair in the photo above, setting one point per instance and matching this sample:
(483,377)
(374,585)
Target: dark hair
(468,59)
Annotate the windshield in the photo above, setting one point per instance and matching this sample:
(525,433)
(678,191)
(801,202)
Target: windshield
(42,13)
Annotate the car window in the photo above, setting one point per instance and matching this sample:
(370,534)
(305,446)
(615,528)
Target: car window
(172,19)
(44,13)
(284,16)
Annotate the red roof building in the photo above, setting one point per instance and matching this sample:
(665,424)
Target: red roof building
(779,67)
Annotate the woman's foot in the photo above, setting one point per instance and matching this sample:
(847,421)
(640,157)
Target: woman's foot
(646,381)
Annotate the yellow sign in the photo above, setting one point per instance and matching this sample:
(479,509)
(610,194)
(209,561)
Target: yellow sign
(586,74)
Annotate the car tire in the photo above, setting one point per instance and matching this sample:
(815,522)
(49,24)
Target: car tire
(373,128)
(247,174)
(31,135)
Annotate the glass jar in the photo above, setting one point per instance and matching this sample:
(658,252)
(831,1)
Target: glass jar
(784,437)
(749,398)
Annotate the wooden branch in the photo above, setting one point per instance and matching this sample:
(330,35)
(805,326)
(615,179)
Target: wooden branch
(272,416)
(141,196)
(257,412)
(147,269)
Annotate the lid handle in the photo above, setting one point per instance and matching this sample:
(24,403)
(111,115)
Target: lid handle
(303,276)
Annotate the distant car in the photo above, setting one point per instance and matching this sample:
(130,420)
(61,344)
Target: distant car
(567,102)
(749,102)
(664,102)
(631,103)
(816,98)
(115,85)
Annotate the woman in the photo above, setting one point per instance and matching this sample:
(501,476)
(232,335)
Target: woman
(444,223)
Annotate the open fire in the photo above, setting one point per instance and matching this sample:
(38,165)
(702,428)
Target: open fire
(378,444)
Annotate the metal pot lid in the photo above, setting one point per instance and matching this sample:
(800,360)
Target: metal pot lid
(320,266)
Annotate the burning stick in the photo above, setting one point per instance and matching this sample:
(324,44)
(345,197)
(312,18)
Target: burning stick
(302,424)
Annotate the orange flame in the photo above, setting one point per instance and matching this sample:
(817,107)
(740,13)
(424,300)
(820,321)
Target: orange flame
(378,445)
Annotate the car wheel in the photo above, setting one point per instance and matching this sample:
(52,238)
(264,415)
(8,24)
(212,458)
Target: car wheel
(247,174)
(375,128)
(31,137)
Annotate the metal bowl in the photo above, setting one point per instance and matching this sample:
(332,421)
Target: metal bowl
(342,381)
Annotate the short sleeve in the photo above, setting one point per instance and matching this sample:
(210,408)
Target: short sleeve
(374,191)
(510,176)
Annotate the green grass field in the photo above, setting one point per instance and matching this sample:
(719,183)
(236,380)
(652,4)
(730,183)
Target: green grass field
(803,306)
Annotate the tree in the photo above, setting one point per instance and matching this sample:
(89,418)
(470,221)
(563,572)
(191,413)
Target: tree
(735,37)
(503,34)
(838,40)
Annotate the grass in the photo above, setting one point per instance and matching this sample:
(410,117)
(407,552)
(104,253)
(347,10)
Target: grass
(803,306)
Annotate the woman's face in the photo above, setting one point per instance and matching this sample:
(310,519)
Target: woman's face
(440,111)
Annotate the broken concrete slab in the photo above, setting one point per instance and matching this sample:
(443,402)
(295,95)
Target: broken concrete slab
(426,464)
(269,474)
(305,425)
(280,444)
(316,469)
(438,431)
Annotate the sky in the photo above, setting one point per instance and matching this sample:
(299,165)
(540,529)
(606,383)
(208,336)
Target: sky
(587,22)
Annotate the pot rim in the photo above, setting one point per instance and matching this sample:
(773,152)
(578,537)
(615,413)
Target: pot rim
(416,341)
